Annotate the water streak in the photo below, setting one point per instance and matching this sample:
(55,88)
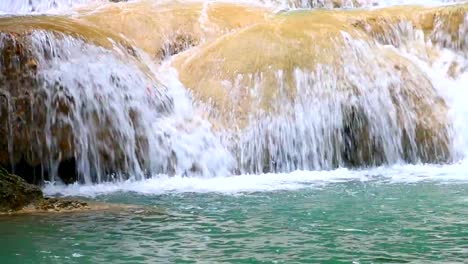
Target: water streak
(37,6)
(103,112)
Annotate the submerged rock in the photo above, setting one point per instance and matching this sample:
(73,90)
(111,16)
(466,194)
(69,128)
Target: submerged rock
(56,204)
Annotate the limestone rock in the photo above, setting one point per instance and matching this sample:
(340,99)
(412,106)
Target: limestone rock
(60,205)
(306,91)
(16,193)
(60,124)
(163,29)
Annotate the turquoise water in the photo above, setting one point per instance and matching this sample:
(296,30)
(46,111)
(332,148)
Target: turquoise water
(396,214)
(354,221)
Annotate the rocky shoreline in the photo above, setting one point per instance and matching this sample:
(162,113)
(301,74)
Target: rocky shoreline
(63,206)
(18,196)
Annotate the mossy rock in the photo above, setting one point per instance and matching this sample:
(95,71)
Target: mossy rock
(16,193)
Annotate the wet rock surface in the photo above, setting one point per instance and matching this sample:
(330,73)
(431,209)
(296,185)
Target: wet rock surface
(16,193)
(56,204)
(23,112)
(59,125)
(245,64)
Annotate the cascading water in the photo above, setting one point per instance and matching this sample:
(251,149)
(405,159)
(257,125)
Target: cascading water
(308,131)
(360,3)
(37,6)
(330,125)
(95,109)
(110,114)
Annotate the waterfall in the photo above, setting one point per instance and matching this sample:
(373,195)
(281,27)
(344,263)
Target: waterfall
(37,6)
(347,4)
(85,99)
(99,110)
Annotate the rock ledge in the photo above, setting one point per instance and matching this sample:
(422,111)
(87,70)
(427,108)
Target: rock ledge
(18,196)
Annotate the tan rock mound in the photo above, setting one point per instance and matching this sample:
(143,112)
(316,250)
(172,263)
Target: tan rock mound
(167,28)
(446,26)
(297,90)
(341,99)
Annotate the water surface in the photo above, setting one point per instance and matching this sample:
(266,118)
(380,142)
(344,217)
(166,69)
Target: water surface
(373,221)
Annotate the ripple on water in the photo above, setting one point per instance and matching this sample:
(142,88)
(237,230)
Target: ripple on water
(339,222)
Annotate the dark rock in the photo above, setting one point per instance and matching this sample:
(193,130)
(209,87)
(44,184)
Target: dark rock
(175,45)
(23,112)
(16,193)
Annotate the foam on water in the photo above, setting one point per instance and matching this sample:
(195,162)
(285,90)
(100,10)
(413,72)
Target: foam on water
(160,184)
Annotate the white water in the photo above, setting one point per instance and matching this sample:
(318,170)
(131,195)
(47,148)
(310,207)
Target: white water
(38,6)
(454,90)
(311,133)
(122,123)
(456,173)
